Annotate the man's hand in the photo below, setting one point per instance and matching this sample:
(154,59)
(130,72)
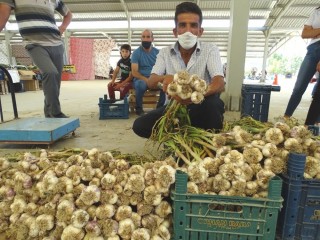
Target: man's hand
(318,67)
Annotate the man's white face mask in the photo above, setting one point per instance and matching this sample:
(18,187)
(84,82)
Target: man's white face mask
(187,40)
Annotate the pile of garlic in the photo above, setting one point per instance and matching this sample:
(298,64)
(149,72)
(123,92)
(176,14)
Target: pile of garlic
(187,86)
(85,196)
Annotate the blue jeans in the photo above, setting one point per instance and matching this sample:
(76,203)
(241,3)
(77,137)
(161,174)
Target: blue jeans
(140,87)
(306,72)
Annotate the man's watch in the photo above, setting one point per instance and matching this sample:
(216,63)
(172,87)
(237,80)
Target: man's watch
(160,85)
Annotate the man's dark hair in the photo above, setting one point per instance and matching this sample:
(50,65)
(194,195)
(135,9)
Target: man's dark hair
(125,46)
(187,7)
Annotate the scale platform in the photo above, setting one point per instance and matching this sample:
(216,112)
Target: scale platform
(37,130)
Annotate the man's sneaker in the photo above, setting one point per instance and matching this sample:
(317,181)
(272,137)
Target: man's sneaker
(60,115)
(139,112)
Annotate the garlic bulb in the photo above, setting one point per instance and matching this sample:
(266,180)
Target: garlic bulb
(64,211)
(126,228)
(105,211)
(163,209)
(274,135)
(108,181)
(87,173)
(123,212)
(18,206)
(44,223)
(90,195)
(197,97)
(151,195)
(192,187)
(135,183)
(108,197)
(211,165)
(163,232)
(4,164)
(166,175)
(136,169)
(109,228)
(182,77)
(93,229)
(252,154)
(197,173)
(79,218)
(141,234)
(71,232)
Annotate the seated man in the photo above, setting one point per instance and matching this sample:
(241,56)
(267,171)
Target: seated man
(196,57)
(142,61)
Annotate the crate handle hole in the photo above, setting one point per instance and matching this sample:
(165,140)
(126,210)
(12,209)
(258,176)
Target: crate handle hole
(181,223)
(181,208)
(226,208)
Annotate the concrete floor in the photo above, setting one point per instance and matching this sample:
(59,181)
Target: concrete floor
(80,99)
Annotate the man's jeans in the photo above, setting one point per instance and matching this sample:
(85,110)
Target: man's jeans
(306,72)
(141,87)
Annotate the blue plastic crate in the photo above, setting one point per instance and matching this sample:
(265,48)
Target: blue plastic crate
(299,218)
(113,110)
(1,75)
(314,129)
(216,217)
(256,100)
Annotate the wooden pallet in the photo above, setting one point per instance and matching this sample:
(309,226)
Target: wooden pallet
(150,99)
(4,87)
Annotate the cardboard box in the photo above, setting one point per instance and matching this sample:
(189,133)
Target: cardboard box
(26,74)
(30,85)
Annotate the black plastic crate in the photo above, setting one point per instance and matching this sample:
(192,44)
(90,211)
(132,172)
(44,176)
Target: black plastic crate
(256,100)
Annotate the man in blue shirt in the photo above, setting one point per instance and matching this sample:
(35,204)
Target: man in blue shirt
(142,61)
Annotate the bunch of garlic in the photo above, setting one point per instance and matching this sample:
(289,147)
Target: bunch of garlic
(187,86)
(86,196)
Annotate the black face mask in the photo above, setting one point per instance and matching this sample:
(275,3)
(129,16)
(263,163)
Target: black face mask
(146,44)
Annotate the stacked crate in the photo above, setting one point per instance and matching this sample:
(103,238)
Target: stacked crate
(299,218)
(216,217)
(256,100)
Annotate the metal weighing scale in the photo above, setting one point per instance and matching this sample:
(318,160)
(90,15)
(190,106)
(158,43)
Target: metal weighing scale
(33,130)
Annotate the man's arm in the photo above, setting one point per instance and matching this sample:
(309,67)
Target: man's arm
(5,11)
(154,80)
(310,32)
(216,86)
(65,22)
(136,73)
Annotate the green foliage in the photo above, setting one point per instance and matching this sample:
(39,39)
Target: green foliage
(280,64)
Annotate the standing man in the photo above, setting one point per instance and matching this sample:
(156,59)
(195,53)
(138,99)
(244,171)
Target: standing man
(308,66)
(196,57)
(142,61)
(42,39)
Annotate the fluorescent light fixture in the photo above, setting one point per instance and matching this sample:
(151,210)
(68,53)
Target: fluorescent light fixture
(154,24)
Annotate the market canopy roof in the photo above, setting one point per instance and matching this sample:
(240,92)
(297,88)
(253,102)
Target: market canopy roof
(123,20)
